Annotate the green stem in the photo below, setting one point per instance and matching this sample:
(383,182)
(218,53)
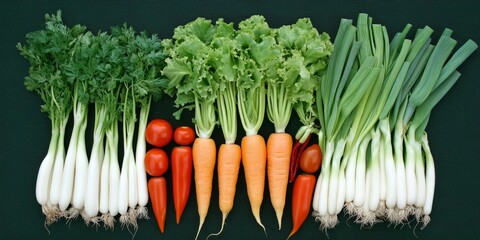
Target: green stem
(204,118)
(279,107)
(227,113)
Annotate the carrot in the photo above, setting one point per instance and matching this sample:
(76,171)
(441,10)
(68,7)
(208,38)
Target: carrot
(229,156)
(254,154)
(279,149)
(204,154)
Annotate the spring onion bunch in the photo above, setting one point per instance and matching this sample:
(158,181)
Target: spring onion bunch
(374,89)
(72,68)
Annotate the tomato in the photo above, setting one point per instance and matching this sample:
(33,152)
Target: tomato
(311,159)
(159,132)
(184,135)
(156,162)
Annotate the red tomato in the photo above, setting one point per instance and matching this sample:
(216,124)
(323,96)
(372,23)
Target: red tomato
(184,135)
(159,132)
(156,162)
(311,159)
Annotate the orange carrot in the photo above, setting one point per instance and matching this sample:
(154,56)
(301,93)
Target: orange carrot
(254,154)
(279,150)
(229,156)
(204,154)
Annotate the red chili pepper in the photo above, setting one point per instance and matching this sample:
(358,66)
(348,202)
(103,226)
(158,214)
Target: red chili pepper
(301,200)
(157,189)
(181,178)
(297,151)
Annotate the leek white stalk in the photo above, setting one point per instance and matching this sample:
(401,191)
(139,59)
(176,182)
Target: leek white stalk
(104,180)
(400,166)
(123,188)
(81,168)
(374,198)
(140,164)
(350,173)
(341,191)
(334,177)
(326,171)
(360,178)
(103,206)
(430,181)
(390,172)
(419,174)
(382,168)
(410,177)
(45,172)
(92,194)
(58,166)
(114,171)
(132,182)
(125,192)
(66,190)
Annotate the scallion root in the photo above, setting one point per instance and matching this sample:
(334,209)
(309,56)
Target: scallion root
(418,214)
(133,215)
(327,222)
(142,212)
(381,211)
(95,220)
(52,214)
(108,221)
(391,215)
(71,214)
(410,210)
(125,220)
(350,209)
(368,220)
(425,221)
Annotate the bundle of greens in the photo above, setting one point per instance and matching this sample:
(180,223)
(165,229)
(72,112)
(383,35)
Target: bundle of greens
(142,64)
(192,82)
(47,51)
(253,43)
(374,87)
(70,69)
(306,53)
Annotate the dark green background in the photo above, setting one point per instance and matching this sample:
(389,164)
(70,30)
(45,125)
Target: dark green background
(454,128)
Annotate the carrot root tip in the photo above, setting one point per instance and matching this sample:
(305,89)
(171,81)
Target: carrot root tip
(202,220)
(279,219)
(224,217)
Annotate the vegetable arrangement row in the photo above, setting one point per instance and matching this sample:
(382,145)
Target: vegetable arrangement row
(368,98)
